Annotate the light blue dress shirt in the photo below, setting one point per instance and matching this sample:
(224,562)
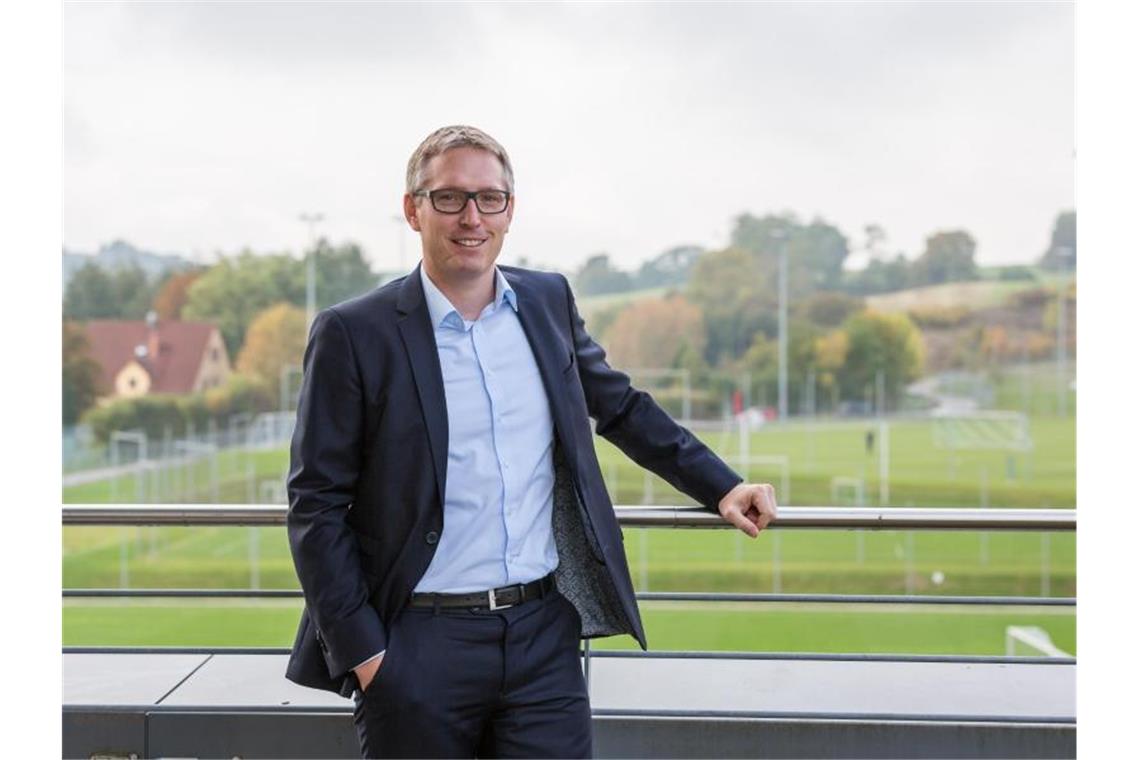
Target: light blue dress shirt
(499,493)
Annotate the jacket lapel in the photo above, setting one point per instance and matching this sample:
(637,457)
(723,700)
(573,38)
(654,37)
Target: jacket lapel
(552,354)
(418,335)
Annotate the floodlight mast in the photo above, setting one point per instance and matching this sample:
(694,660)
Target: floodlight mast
(1062,307)
(780,236)
(311,267)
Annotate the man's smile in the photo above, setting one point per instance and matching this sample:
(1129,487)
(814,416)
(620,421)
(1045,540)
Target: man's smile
(469,242)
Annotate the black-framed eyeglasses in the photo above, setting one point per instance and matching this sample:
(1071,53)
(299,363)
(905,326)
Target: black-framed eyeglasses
(448,200)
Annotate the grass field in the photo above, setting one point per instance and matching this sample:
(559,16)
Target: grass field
(787,561)
(920,474)
(670,626)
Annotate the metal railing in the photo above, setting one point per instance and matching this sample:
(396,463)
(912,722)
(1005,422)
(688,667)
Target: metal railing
(844,518)
(831,518)
(1004,733)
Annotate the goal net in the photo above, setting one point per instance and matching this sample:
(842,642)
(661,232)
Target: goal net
(1030,641)
(997,430)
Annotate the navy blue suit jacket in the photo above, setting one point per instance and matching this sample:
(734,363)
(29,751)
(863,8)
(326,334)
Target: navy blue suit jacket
(368,460)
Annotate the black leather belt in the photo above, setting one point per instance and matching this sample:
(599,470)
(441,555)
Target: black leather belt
(494,599)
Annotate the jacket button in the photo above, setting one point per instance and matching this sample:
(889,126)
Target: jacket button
(431,537)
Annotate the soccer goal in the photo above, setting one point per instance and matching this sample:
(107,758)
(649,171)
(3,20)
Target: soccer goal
(766,462)
(1030,641)
(848,492)
(991,430)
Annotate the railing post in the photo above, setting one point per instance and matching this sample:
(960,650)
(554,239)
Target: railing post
(586,652)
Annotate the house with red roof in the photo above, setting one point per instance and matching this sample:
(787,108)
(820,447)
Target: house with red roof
(153,356)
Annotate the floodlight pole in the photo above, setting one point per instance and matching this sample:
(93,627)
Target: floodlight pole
(1062,308)
(780,236)
(311,267)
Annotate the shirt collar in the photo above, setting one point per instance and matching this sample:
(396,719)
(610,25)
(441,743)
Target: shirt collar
(441,310)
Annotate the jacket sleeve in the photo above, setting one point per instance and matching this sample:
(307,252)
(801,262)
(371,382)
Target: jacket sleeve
(631,420)
(325,460)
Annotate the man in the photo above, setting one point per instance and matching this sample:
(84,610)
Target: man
(447,516)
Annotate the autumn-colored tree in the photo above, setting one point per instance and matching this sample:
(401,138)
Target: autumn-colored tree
(173,294)
(656,333)
(81,373)
(995,343)
(275,339)
(830,355)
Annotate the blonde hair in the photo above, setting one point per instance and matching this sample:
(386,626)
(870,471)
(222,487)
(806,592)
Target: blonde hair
(457,136)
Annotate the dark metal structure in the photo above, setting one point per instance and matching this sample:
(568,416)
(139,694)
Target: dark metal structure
(219,702)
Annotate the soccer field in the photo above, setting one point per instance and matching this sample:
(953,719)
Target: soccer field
(788,561)
(669,626)
(919,472)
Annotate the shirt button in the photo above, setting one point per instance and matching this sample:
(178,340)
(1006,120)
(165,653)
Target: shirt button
(431,537)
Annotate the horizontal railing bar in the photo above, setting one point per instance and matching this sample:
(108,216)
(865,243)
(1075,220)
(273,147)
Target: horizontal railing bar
(834,716)
(180,593)
(648,596)
(878,718)
(636,653)
(1010,601)
(830,656)
(885,518)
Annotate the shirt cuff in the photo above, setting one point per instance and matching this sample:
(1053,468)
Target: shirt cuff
(370,659)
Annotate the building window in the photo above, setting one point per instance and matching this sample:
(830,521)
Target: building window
(214,354)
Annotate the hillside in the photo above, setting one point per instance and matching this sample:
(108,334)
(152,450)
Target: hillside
(969,295)
(588,306)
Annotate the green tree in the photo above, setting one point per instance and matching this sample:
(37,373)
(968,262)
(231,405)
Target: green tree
(731,290)
(881,342)
(670,268)
(598,276)
(815,251)
(828,308)
(762,361)
(879,276)
(133,292)
(232,291)
(949,257)
(94,293)
(342,273)
(81,374)
(90,295)
(1062,251)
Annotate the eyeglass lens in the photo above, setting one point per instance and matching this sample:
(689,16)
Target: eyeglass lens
(452,201)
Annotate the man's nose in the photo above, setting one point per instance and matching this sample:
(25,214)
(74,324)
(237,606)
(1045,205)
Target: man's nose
(469,216)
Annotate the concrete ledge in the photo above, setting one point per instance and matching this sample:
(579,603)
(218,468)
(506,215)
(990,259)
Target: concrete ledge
(227,705)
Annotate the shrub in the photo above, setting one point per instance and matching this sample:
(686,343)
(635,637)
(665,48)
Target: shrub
(938,316)
(159,413)
(154,415)
(1016,273)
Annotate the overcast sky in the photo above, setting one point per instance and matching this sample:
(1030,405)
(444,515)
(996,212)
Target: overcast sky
(200,128)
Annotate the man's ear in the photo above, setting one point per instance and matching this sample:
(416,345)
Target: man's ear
(411,212)
(510,213)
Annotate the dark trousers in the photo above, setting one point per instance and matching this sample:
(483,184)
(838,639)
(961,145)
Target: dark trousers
(479,683)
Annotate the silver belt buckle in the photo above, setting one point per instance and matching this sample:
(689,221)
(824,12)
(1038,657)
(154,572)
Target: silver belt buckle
(494,605)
